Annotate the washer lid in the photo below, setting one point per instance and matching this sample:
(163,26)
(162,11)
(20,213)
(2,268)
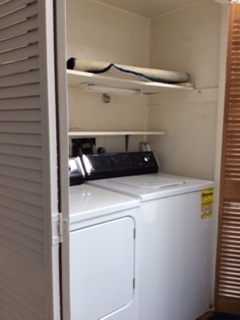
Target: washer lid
(152,182)
(153,186)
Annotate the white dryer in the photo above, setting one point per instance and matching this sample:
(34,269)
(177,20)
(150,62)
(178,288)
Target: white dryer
(175,223)
(104,254)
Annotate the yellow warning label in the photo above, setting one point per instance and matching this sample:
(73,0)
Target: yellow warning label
(206,203)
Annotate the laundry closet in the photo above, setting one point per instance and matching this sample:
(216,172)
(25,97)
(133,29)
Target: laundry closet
(179,122)
(185,39)
(44,106)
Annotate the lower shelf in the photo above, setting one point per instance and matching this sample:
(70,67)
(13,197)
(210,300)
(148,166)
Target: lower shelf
(113,133)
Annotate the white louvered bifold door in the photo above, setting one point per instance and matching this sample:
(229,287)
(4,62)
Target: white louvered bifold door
(29,270)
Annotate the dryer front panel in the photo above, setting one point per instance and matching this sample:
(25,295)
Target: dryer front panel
(102,268)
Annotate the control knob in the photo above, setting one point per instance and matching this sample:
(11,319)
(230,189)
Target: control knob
(127,161)
(146,159)
(113,162)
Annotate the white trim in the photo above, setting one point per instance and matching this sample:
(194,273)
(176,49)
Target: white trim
(227,1)
(222,1)
(48,104)
(60,24)
(219,130)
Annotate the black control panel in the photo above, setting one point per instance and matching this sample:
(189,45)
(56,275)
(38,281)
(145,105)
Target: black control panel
(108,165)
(76,172)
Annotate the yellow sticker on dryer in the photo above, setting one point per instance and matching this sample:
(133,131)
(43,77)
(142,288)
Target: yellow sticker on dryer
(206,203)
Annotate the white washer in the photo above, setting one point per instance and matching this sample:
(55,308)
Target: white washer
(104,254)
(175,243)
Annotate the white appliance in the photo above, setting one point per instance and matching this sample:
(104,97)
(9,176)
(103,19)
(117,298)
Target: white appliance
(104,254)
(175,223)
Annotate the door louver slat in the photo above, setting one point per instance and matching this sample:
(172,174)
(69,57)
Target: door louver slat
(22,27)
(20,13)
(19,53)
(20,40)
(9,6)
(20,66)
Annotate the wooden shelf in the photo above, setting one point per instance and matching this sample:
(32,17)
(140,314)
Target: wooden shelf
(79,78)
(113,133)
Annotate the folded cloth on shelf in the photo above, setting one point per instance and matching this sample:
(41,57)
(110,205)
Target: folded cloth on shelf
(127,72)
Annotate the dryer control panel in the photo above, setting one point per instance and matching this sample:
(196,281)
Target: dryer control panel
(76,171)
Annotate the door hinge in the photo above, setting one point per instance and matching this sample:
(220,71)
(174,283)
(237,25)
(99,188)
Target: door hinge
(57,229)
(134,233)
(134,283)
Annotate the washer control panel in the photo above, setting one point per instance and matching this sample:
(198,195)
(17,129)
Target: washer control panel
(100,166)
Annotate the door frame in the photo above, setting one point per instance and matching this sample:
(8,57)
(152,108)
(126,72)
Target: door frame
(62,145)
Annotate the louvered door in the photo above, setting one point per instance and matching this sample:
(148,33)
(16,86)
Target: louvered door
(29,270)
(227,295)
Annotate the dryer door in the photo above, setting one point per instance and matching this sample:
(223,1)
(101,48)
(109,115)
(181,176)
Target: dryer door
(102,268)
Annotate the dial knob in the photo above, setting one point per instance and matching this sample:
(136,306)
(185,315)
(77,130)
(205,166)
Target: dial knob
(113,162)
(127,161)
(146,159)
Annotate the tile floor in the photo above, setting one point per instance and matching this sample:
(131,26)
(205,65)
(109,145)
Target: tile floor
(205,316)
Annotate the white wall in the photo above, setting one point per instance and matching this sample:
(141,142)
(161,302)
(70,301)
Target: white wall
(88,112)
(188,40)
(189,121)
(101,32)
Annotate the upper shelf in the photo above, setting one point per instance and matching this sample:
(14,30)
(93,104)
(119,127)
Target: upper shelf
(79,78)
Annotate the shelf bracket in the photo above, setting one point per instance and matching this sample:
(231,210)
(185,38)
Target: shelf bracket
(106,98)
(126,141)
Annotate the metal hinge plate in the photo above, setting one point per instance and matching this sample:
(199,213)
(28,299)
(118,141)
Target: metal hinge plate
(57,228)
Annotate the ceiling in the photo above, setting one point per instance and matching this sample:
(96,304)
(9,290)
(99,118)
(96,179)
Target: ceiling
(149,8)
